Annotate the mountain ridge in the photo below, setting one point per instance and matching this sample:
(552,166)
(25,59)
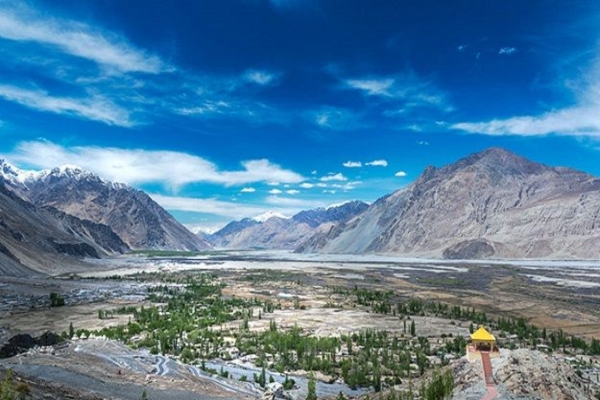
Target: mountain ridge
(283,233)
(490,204)
(138,220)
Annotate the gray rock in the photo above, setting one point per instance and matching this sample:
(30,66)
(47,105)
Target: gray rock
(490,204)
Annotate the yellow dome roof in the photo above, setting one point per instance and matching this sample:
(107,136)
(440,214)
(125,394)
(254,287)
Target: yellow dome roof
(483,335)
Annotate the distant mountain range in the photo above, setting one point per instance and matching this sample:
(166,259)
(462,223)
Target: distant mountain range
(493,204)
(274,231)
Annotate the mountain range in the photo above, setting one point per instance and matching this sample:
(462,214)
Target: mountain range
(273,231)
(137,219)
(50,221)
(492,204)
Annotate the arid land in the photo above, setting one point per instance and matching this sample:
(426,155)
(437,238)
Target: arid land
(308,294)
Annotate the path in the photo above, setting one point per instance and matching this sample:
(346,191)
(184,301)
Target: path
(492,391)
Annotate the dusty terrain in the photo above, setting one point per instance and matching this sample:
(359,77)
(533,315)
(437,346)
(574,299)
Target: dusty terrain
(551,295)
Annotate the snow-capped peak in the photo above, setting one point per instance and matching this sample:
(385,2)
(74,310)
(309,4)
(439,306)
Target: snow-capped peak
(268,215)
(71,171)
(16,175)
(338,205)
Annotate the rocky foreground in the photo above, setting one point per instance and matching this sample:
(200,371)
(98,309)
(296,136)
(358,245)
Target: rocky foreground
(524,374)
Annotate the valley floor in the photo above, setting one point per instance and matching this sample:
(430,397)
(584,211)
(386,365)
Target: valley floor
(310,293)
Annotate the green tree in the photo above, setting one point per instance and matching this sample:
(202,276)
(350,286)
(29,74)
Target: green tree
(312,388)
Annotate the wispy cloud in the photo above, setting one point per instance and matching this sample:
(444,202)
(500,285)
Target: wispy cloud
(76,39)
(292,191)
(139,166)
(400,174)
(334,177)
(334,118)
(377,163)
(507,51)
(400,93)
(248,190)
(227,209)
(352,164)
(306,185)
(580,119)
(422,143)
(261,78)
(373,86)
(347,186)
(93,108)
(298,204)
(574,121)
(115,80)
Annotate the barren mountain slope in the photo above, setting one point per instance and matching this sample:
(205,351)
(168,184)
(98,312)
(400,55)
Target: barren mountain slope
(42,240)
(490,204)
(132,214)
(284,233)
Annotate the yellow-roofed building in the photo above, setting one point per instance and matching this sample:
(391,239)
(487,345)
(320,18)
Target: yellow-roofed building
(481,341)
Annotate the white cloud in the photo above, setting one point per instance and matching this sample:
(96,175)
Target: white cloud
(306,185)
(334,177)
(135,166)
(373,87)
(76,39)
(346,186)
(404,91)
(235,210)
(321,185)
(574,121)
(422,143)
(292,191)
(378,163)
(334,118)
(298,204)
(400,174)
(248,190)
(352,164)
(313,172)
(581,119)
(507,51)
(92,108)
(207,107)
(275,191)
(329,191)
(261,78)
(208,206)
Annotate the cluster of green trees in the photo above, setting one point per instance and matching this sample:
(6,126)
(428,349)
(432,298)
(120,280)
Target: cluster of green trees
(385,302)
(56,300)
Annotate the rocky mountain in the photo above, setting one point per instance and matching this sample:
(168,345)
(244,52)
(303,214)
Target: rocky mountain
(492,204)
(36,240)
(277,232)
(138,220)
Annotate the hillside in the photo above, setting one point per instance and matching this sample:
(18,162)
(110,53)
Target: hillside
(36,240)
(493,204)
(138,220)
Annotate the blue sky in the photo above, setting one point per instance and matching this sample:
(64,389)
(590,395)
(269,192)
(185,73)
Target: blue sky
(228,108)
